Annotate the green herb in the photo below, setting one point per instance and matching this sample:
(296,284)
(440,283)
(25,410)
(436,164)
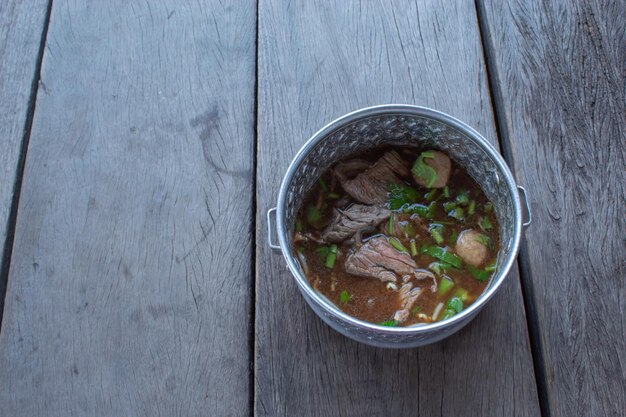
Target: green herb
(471,208)
(449,205)
(455,303)
(333,196)
(322,184)
(462,294)
(406,228)
(427,212)
(416,309)
(479,274)
(322,252)
(331,257)
(432,194)
(488,207)
(485,223)
(313,216)
(458,213)
(344,297)
(492,266)
(445,285)
(298,226)
(447,313)
(484,240)
(442,254)
(390,226)
(388,323)
(453,237)
(395,242)
(423,170)
(436,231)
(400,196)
(462,198)
(413,246)
(446,191)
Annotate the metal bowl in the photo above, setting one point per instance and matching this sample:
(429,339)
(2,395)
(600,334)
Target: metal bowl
(398,125)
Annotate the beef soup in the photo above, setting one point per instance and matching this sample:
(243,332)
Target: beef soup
(398,237)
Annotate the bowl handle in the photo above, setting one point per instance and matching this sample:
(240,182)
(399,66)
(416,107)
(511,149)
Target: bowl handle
(529,215)
(271,227)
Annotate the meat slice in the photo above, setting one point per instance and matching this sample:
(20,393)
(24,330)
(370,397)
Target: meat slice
(346,223)
(369,184)
(408,295)
(376,258)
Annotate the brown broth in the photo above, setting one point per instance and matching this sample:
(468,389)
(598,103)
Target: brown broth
(369,298)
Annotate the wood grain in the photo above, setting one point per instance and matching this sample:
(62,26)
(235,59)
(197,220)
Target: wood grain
(129,288)
(21,27)
(561,70)
(317,62)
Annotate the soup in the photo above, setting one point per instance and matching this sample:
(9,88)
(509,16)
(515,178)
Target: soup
(397,237)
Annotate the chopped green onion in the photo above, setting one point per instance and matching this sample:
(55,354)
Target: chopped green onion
(436,231)
(313,216)
(442,254)
(388,323)
(334,196)
(446,191)
(395,242)
(479,274)
(447,313)
(390,226)
(322,252)
(406,228)
(344,297)
(462,198)
(400,196)
(488,207)
(492,266)
(331,257)
(416,309)
(432,194)
(445,285)
(423,170)
(453,237)
(462,294)
(426,212)
(298,226)
(322,184)
(458,213)
(413,246)
(471,208)
(485,223)
(449,205)
(455,303)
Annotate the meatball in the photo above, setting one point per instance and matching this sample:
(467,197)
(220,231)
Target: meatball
(470,249)
(442,166)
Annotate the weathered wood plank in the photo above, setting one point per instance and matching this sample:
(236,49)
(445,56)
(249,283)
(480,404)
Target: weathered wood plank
(560,67)
(21,27)
(317,62)
(130,280)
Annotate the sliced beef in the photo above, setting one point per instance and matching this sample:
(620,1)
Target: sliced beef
(408,294)
(346,223)
(376,258)
(369,184)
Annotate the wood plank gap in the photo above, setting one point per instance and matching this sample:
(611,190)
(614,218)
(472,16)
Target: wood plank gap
(253,224)
(525,273)
(5,264)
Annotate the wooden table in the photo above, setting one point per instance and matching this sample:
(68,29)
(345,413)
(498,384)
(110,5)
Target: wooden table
(143,142)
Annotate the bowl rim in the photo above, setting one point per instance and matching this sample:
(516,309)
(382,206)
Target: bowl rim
(407,110)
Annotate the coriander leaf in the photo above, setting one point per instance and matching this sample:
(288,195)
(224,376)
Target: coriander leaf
(388,323)
(344,297)
(401,195)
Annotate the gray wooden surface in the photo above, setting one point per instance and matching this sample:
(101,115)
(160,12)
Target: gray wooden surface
(560,72)
(21,27)
(129,287)
(316,63)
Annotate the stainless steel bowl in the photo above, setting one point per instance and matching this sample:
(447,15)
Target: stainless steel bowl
(398,125)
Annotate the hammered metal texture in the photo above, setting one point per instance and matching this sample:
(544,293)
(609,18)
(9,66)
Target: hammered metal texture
(399,129)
